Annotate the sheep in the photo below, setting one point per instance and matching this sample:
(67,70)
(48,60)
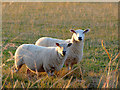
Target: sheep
(42,59)
(75,52)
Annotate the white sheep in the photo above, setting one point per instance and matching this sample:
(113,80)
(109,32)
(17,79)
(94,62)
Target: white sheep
(75,52)
(42,59)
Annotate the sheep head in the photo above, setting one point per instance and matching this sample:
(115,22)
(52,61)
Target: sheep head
(63,48)
(78,35)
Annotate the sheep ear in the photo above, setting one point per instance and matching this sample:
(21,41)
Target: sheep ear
(57,44)
(87,30)
(69,44)
(73,31)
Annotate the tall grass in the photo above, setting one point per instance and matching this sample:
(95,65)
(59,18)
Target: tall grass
(110,76)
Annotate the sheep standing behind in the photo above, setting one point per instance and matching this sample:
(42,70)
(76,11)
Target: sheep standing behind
(42,59)
(75,52)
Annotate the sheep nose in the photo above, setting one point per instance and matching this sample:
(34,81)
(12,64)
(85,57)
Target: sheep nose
(64,52)
(80,38)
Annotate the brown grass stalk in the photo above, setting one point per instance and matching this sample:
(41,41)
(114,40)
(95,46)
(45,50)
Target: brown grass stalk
(108,75)
(106,83)
(11,57)
(105,50)
(73,83)
(35,82)
(5,81)
(100,81)
(117,80)
(15,83)
(116,57)
(69,82)
(81,72)
(28,84)
(22,85)
(16,37)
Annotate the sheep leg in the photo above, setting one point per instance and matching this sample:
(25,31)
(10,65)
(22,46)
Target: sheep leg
(47,71)
(52,71)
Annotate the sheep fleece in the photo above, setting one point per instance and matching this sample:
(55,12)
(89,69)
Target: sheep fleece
(38,57)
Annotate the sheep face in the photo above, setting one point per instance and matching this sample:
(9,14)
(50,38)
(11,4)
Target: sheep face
(78,35)
(63,48)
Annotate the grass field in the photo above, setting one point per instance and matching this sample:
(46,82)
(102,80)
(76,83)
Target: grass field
(27,22)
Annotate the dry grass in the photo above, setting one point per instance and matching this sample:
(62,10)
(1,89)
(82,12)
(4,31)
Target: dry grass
(30,21)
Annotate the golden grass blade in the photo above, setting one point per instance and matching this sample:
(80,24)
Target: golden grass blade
(69,82)
(28,84)
(108,75)
(104,85)
(16,37)
(81,72)
(73,83)
(99,81)
(35,82)
(117,81)
(15,83)
(11,55)
(108,79)
(63,77)
(116,57)
(9,60)
(117,75)
(5,81)
(8,45)
(2,65)
(22,85)
(64,86)
(12,71)
(105,50)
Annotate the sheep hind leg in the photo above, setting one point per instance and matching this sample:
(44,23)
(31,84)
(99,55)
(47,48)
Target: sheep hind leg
(48,72)
(52,71)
